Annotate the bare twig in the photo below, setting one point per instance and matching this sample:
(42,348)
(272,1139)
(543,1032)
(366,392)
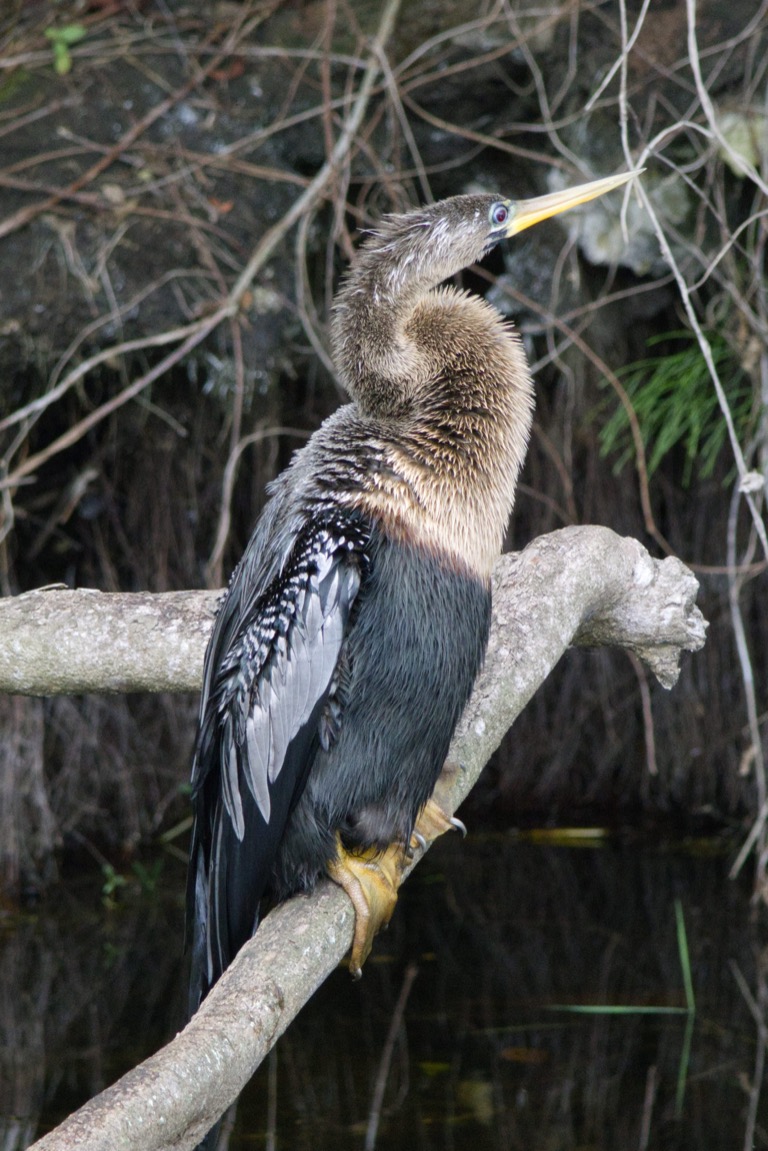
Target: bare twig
(395,1025)
(227,486)
(742,489)
(758,1008)
(21,218)
(194,334)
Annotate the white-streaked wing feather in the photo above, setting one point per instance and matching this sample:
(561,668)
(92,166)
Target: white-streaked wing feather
(230,785)
(296,676)
(257,775)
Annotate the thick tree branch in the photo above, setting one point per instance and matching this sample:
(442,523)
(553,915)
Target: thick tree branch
(61,642)
(579,585)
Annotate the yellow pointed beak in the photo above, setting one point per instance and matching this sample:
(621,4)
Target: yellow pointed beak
(526,213)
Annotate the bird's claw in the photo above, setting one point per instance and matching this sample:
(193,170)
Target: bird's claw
(458,825)
(432,823)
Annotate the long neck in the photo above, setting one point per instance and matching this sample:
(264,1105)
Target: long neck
(441,384)
(380,362)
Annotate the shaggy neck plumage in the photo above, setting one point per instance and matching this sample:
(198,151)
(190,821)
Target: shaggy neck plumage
(441,377)
(381,363)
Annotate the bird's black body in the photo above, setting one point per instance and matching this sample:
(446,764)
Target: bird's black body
(355,625)
(356,704)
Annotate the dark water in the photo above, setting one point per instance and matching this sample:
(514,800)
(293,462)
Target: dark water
(503,937)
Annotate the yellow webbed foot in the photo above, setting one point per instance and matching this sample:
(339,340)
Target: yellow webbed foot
(371,880)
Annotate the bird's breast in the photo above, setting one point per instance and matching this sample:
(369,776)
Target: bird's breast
(455,510)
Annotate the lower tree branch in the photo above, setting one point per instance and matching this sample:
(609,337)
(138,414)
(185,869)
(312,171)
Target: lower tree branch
(576,586)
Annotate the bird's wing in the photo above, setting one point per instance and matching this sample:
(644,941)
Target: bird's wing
(269,678)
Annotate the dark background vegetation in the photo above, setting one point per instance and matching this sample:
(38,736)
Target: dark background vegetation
(146,148)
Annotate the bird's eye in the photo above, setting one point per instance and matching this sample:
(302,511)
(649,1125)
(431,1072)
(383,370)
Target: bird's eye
(499,214)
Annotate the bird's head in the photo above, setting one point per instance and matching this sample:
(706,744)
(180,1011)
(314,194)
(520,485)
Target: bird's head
(379,362)
(434,242)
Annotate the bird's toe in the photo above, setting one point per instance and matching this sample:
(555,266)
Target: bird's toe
(432,822)
(371,880)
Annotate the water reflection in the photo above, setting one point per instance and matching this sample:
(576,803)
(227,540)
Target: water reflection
(503,936)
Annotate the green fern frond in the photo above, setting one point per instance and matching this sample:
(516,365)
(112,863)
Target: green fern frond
(675,404)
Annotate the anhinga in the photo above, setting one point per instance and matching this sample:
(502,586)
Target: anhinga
(355,624)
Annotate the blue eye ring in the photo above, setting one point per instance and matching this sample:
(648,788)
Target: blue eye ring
(499,214)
